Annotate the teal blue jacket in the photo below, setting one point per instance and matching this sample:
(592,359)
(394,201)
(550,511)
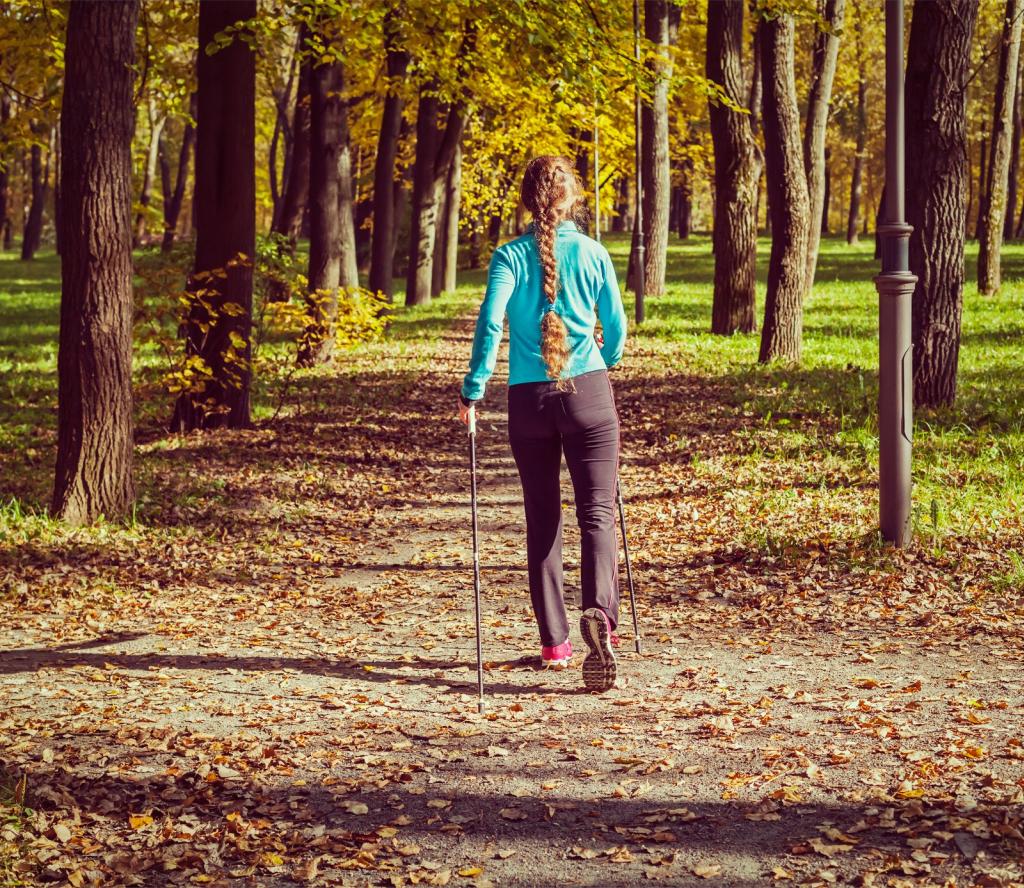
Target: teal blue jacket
(588,290)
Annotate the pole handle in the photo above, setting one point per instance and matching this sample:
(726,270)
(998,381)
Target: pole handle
(472,420)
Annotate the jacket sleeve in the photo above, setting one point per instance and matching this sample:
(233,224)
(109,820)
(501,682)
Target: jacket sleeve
(490,324)
(612,314)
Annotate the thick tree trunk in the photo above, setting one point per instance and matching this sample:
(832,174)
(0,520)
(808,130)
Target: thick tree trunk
(295,188)
(225,219)
(660,25)
(788,201)
(938,60)
(1011,184)
(858,157)
(737,173)
(173,197)
(94,364)
(990,248)
(156,128)
(826,52)
(32,231)
(433,157)
(382,247)
(327,132)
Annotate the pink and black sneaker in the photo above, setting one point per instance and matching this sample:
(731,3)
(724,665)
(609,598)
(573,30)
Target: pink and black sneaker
(599,670)
(556,657)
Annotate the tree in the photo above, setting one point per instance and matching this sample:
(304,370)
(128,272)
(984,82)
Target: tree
(219,322)
(661,20)
(382,247)
(823,70)
(288,219)
(447,243)
(862,134)
(938,59)
(788,201)
(94,418)
(1011,184)
(33,229)
(156,121)
(737,175)
(332,247)
(174,195)
(989,268)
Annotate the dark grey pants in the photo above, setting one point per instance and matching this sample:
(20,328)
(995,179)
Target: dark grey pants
(542,423)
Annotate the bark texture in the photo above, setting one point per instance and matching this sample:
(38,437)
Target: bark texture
(737,174)
(382,247)
(32,231)
(938,61)
(225,219)
(1010,216)
(94,364)
(788,202)
(990,247)
(823,70)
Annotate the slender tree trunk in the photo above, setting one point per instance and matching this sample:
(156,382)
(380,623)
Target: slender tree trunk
(858,157)
(826,52)
(282,131)
(737,172)
(788,201)
(296,187)
(938,62)
(828,192)
(156,127)
(685,219)
(990,248)
(979,219)
(225,220)
(327,125)
(173,197)
(347,206)
(382,247)
(660,25)
(5,222)
(1011,184)
(33,229)
(450,224)
(94,364)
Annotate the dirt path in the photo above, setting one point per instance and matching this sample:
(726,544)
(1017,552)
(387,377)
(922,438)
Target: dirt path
(255,712)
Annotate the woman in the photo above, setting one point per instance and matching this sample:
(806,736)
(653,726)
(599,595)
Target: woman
(554,283)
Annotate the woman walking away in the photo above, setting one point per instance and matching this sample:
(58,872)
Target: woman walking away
(554,283)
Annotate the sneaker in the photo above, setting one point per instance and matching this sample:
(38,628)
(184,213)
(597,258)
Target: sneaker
(556,657)
(599,669)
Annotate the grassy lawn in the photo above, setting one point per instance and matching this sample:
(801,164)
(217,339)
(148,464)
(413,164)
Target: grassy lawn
(815,422)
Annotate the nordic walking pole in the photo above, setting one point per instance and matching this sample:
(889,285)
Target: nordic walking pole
(629,568)
(476,561)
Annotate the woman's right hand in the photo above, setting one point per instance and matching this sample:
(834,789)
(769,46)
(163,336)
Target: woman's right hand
(465,411)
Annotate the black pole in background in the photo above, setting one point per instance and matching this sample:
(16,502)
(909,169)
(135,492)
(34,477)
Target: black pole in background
(638,258)
(895,289)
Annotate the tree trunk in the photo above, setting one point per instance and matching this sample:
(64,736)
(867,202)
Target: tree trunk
(173,197)
(5,222)
(32,231)
(382,247)
(685,219)
(296,186)
(433,157)
(828,192)
(990,248)
(979,219)
(858,157)
(826,52)
(449,255)
(788,201)
(327,130)
(938,60)
(225,220)
(660,25)
(1011,184)
(156,127)
(737,173)
(94,364)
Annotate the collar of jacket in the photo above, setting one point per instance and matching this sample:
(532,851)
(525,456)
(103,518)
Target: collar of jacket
(564,225)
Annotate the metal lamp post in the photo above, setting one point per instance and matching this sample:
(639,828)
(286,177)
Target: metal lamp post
(895,287)
(638,258)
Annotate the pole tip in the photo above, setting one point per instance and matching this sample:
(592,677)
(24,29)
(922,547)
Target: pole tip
(480,707)
(638,645)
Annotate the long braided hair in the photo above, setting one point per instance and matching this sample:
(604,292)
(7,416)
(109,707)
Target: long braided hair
(552,192)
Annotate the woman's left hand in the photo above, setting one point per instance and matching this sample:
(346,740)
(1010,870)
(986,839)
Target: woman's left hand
(465,411)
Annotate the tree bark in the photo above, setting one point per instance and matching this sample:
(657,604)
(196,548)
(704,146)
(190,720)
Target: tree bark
(93,475)
(858,157)
(382,246)
(828,192)
(660,25)
(225,220)
(173,197)
(826,52)
(295,188)
(1011,184)
(990,248)
(979,219)
(5,222)
(737,173)
(938,61)
(32,231)
(788,200)
(447,257)
(156,127)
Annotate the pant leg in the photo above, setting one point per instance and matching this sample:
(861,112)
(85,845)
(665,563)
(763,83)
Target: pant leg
(537,450)
(590,437)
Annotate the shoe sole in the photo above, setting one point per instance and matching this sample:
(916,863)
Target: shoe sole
(599,668)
